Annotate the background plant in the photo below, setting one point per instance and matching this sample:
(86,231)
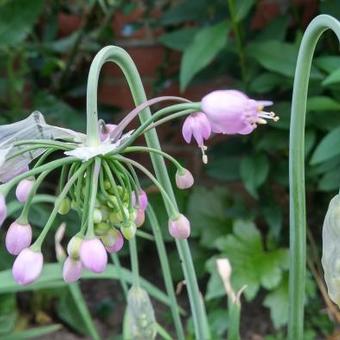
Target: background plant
(246,177)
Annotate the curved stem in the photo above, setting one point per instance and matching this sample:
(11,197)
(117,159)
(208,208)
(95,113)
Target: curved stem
(297,172)
(123,60)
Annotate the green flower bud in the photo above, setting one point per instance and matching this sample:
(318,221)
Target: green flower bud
(129,231)
(101,228)
(65,206)
(73,247)
(97,216)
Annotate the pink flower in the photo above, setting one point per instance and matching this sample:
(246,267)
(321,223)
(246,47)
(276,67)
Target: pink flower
(23,189)
(140,217)
(196,125)
(179,228)
(3,209)
(113,241)
(93,255)
(141,200)
(184,179)
(18,237)
(232,112)
(27,266)
(71,270)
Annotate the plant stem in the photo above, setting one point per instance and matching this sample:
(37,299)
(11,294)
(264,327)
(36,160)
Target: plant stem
(123,60)
(297,172)
(166,271)
(134,261)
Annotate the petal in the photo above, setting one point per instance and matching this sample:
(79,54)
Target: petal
(187,130)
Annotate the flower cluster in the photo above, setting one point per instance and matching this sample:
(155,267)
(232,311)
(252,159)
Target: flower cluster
(99,181)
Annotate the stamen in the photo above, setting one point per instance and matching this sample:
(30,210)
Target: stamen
(261,121)
(204,156)
(268,115)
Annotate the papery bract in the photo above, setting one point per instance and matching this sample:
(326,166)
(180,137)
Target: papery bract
(3,209)
(179,228)
(105,132)
(27,266)
(72,270)
(232,112)
(18,237)
(93,255)
(184,179)
(23,189)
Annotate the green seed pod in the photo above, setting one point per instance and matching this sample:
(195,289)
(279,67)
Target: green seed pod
(129,232)
(65,206)
(97,216)
(331,250)
(140,315)
(101,228)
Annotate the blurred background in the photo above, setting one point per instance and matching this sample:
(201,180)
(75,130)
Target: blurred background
(239,205)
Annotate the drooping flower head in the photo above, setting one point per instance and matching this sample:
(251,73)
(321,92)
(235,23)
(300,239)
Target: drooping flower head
(93,255)
(140,199)
(72,269)
(18,237)
(232,112)
(23,189)
(184,179)
(179,228)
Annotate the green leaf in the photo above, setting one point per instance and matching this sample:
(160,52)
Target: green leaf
(179,40)
(330,181)
(8,313)
(322,103)
(269,55)
(208,219)
(17,18)
(252,265)
(327,148)
(32,333)
(328,63)
(277,302)
(275,30)
(242,9)
(207,43)
(225,168)
(265,82)
(333,78)
(254,171)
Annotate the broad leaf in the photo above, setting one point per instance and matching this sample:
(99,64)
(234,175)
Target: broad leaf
(179,40)
(254,171)
(17,18)
(328,63)
(327,148)
(252,265)
(242,9)
(207,43)
(322,103)
(333,78)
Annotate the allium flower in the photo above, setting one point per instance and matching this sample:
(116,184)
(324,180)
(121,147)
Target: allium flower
(3,209)
(93,255)
(179,228)
(71,270)
(27,266)
(129,231)
(196,125)
(113,241)
(74,245)
(232,112)
(142,199)
(140,217)
(184,179)
(18,237)
(23,189)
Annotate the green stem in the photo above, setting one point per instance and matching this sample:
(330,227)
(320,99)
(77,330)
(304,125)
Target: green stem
(120,57)
(134,261)
(238,39)
(37,244)
(297,172)
(116,262)
(163,258)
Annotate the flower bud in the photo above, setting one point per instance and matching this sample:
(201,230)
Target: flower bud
(97,216)
(93,255)
(23,189)
(65,206)
(179,228)
(3,209)
(71,270)
(141,200)
(18,237)
(101,228)
(140,217)
(184,179)
(74,245)
(27,266)
(113,241)
(129,231)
